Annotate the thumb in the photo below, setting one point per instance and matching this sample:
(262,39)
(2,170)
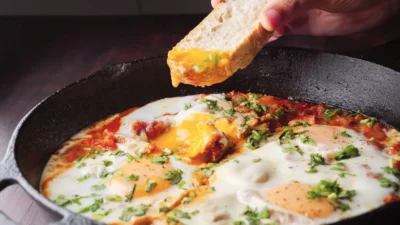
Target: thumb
(278,13)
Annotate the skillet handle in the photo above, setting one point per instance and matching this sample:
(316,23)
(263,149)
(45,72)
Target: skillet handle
(8,177)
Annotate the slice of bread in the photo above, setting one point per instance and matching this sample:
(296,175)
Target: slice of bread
(228,39)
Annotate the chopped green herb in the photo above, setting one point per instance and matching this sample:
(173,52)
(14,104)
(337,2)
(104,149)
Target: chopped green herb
(161,159)
(84,177)
(230,112)
(348,152)
(129,197)
(107,163)
(370,122)
(255,139)
(279,113)
(257,160)
(131,211)
(300,124)
(315,160)
(255,217)
(386,183)
(132,177)
(150,186)
(98,187)
(240,99)
(93,207)
(212,105)
(188,106)
(208,173)
(114,198)
(258,108)
(239,222)
(339,166)
(195,212)
(181,184)
(291,149)
(329,113)
(333,193)
(99,216)
(236,161)
(164,209)
(343,174)
(392,171)
(256,96)
(82,165)
(174,176)
(185,200)
(307,140)
(345,134)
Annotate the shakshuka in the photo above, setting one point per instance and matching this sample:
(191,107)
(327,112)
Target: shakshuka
(231,158)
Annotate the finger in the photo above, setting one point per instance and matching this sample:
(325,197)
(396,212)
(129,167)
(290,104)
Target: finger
(281,12)
(315,21)
(277,13)
(214,3)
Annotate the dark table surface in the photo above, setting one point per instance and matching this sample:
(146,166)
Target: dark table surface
(40,55)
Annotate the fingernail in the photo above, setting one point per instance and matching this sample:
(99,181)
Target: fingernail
(274,18)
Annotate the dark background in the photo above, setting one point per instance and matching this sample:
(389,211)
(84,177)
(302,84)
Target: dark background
(47,44)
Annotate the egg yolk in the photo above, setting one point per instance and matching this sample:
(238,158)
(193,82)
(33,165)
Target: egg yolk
(146,173)
(293,197)
(196,137)
(198,67)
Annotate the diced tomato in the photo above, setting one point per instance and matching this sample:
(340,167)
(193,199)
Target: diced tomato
(139,126)
(391,198)
(155,129)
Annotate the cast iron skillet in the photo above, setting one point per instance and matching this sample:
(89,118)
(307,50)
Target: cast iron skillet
(304,75)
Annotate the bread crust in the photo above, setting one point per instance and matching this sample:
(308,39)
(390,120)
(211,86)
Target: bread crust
(238,58)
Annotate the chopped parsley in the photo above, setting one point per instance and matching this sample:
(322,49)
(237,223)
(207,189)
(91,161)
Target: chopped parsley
(345,134)
(255,139)
(288,134)
(257,160)
(161,159)
(93,207)
(391,170)
(300,124)
(107,163)
(164,209)
(173,176)
(186,200)
(279,113)
(129,197)
(291,149)
(114,198)
(230,112)
(339,166)
(344,174)
(176,214)
(315,160)
(181,184)
(98,187)
(61,200)
(329,113)
(212,105)
(256,96)
(348,152)
(82,165)
(333,193)
(208,172)
(131,211)
(387,183)
(150,186)
(258,108)
(84,177)
(370,122)
(99,216)
(188,106)
(253,216)
(132,177)
(307,140)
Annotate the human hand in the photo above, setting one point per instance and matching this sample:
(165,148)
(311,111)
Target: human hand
(325,17)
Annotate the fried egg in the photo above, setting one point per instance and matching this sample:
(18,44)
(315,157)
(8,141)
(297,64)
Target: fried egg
(224,159)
